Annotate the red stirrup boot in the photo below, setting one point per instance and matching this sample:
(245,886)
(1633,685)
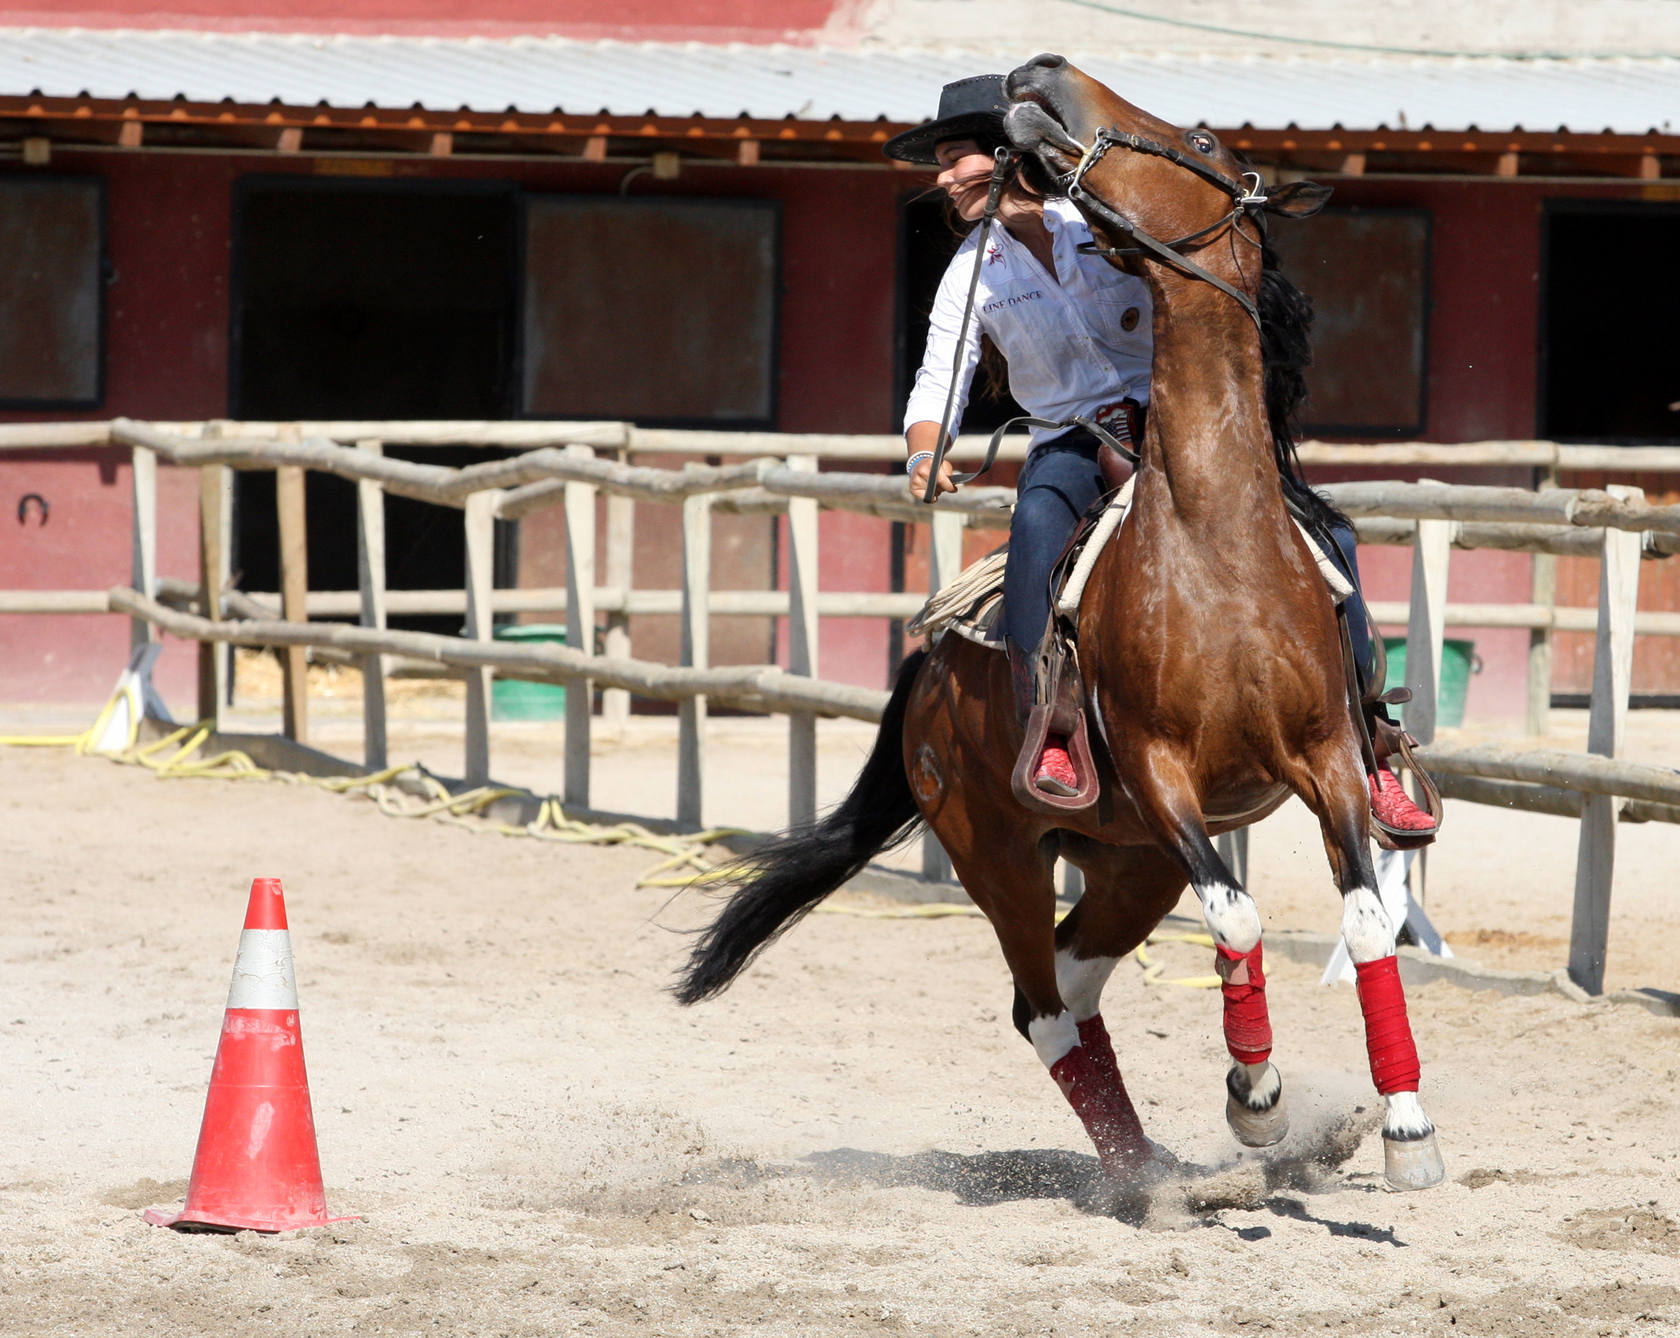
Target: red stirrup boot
(1054,773)
(1392,805)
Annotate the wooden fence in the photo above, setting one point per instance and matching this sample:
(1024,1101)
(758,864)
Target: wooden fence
(560,466)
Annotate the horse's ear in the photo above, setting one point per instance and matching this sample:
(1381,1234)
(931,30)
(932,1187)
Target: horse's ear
(1299,199)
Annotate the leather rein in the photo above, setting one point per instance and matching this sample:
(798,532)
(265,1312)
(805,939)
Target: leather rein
(1248,197)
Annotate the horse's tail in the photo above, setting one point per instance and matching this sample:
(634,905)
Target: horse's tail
(783,880)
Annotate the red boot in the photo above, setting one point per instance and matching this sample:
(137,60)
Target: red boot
(1392,805)
(1055,774)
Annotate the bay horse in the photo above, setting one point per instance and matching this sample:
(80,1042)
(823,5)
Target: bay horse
(1209,648)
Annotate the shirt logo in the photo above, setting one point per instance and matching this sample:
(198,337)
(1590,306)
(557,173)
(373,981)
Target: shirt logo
(1130,319)
(994,254)
(1002,302)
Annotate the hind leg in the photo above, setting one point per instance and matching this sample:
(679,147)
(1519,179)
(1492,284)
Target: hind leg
(1016,891)
(1254,1106)
(1127,891)
(1335,790)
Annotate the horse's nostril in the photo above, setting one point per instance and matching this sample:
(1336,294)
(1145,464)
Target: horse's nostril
(1048,61)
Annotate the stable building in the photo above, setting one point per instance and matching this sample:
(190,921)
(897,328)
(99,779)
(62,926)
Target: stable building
(256,225)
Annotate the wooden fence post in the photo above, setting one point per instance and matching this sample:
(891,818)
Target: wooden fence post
(370,579)
(802,645)
(289,502)
(1426,631)
(1595,857)
(1426,625)
(944,562)
(696,653)
(215,514)
(480,626)
(143,549)
(621,552)
(1544,593)
(580,627)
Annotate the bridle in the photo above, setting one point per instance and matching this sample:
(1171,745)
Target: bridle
(1247,194)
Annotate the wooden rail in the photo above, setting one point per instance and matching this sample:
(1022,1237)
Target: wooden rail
(560,467)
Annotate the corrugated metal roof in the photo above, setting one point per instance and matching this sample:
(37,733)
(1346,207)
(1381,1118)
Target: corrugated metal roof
(543,75)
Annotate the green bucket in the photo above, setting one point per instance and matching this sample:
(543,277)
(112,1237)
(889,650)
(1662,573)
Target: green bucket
(1458,662)
(515,699)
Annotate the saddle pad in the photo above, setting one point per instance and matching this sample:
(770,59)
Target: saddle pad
(969,605)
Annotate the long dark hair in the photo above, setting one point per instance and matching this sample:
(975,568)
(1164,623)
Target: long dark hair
(1286,315)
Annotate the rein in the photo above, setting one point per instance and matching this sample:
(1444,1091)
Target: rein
(1248,195)
(1002,160)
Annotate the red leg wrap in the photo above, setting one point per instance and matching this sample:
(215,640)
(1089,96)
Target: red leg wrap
(1388,1035)
(1248,1026)
(1090,1080)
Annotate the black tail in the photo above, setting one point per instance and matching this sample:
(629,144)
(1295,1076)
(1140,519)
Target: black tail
(783,880)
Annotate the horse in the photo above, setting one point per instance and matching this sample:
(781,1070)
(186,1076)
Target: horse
(1208,646)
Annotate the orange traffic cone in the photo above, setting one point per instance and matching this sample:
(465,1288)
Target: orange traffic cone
(257,1167)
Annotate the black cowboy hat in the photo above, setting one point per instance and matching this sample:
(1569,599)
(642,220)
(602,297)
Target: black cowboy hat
(970,107)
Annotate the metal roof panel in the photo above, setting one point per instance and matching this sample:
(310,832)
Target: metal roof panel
(1624,95)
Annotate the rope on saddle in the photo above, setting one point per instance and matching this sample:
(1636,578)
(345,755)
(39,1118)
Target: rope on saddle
(963,597)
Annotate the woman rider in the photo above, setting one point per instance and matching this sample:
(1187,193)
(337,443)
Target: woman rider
(1076,334)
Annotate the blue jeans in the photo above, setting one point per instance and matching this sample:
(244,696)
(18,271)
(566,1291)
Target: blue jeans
(1058,483)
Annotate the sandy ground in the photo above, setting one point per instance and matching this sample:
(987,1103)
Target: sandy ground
(853,1140)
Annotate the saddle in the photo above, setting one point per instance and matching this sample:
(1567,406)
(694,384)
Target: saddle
(971,605)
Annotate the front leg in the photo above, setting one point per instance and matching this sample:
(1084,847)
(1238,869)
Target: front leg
(1411,1156)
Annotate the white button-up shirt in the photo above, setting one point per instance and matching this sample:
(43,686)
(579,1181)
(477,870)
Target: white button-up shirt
(1072,347)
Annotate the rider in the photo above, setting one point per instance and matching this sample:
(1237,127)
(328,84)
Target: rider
(1076,334)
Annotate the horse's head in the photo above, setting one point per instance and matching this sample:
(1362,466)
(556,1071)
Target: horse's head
(1137,178)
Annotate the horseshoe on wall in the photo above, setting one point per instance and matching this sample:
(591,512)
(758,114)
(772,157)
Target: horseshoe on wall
(23,507)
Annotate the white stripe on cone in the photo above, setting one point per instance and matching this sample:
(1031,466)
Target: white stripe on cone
(263,975)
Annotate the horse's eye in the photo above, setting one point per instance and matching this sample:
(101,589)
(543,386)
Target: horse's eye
(1201,141)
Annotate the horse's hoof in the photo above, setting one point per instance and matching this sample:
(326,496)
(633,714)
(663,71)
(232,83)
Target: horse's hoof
(1413,1163)
(1254,1105)
(1257,1128)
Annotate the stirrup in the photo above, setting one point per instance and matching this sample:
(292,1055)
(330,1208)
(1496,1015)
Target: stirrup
(1057,707)
(1391,743)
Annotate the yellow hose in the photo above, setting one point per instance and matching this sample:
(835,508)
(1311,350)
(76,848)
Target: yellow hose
(550,823)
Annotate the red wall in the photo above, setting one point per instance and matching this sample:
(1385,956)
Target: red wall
(169,223)
(645,20)
(169,218)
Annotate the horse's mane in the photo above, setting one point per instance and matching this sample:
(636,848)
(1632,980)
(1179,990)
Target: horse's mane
(1286,315)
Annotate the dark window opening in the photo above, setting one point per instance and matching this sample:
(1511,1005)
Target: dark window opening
(651,310)
(52,292)
(1610,279)
(1367,273)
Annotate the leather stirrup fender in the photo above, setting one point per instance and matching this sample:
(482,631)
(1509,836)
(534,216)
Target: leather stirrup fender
(1058,708)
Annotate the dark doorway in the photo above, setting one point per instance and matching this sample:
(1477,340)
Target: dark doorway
(370,301)
(1610,279)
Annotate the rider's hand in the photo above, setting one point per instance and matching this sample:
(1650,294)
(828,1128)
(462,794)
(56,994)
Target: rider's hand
(919,479)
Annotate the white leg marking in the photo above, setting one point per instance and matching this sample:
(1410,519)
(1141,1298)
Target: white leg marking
(1080,982)
(1405,1117)
(1231,915)
(1053,1037)
(1366,928)
(1256,1085)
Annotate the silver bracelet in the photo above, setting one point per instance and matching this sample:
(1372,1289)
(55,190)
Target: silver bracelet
(910,464)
